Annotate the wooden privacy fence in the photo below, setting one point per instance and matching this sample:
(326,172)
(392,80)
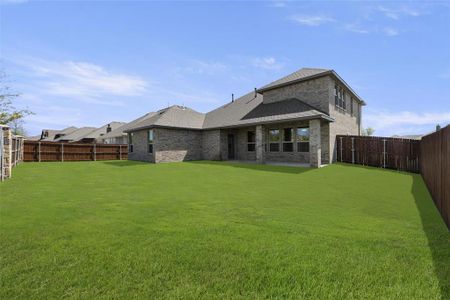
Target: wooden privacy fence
(390,153)
(51,151)
(435,169)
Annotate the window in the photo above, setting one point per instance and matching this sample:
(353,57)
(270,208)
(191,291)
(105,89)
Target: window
(344,105)
(130,142)
(339,97)
(150,140)
(336,95)
(251,141)
(274,140)
(351,106)
(303,139)
(288,136)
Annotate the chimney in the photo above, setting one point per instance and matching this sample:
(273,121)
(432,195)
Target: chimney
(232,97)
(108,129)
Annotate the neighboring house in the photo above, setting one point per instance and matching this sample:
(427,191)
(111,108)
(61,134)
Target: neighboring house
(50,135)
(76,136)
(294,119)
(96,136)
(89,134)
(118,135)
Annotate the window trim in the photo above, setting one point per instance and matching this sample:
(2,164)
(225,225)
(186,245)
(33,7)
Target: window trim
(150,142)
(298,141)
(130,142)
(340,98)
(279,139)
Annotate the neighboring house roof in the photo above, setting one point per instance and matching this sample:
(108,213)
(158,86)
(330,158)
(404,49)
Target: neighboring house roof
(33,138)
(101,131)
(54,134)
(411,137)
(77,135)
(307,74)
(174,116)
(120,131)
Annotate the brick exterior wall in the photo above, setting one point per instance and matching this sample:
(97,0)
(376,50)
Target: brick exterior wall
(140,147)
(315,92)
(211,145)
(344,123)
(177,145)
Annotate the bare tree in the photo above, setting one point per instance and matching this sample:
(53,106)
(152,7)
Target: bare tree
(8,113)
(369,131)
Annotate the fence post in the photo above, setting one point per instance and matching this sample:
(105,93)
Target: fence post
(95,152)
(353,150)
(384,153)
(120,152)
(62,152)
(39,151)
(341,147)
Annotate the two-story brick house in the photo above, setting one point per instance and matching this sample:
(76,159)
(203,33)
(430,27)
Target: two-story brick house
(293,119)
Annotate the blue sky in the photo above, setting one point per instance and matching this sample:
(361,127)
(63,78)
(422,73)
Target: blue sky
(88,63)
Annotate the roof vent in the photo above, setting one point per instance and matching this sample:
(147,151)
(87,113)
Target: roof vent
(256,93)
(232,97)
(108,129)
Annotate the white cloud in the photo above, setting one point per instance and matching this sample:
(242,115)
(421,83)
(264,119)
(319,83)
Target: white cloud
(404,122)
(269,63)
(389,31)
(397,13)
(311,20)
(77,81)
(356,28)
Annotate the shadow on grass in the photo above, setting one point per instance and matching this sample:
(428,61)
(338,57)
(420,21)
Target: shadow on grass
(436,231)
(123,163)
(254,166)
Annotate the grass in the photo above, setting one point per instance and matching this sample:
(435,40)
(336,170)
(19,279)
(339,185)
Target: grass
(218,230)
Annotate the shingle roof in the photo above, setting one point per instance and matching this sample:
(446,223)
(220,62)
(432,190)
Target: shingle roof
(120,131)
(231,113)
(52,133)
(173,116)
(303,73)
(101,131)
(77,134)
(250,110)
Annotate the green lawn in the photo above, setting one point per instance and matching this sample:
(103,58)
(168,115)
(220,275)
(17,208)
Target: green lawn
(219,230)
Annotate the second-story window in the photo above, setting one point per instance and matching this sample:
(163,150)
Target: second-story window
(339,97)
(351,106)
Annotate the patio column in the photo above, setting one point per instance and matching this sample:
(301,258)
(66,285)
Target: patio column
(260,153)
(315,148)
